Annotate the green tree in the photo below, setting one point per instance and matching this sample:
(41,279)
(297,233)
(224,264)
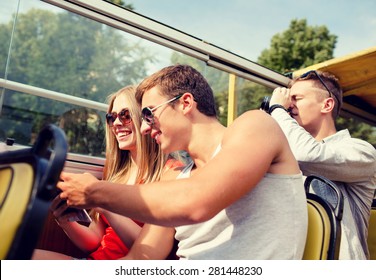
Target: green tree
(297,47)
(67,53)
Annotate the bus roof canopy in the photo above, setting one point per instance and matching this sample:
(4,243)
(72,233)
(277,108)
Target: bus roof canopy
(357,75)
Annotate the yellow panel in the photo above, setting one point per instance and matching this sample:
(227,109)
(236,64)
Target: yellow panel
(372,235)
(5,179)
(15,205)
(232,101)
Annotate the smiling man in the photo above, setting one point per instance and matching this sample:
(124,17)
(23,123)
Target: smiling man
(242,187)
(314,101)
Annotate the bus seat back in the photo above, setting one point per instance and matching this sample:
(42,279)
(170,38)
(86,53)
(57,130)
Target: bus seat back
(28,179)
(372,232)
(323,235)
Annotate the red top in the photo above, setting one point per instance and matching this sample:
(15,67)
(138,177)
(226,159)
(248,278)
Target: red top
(111,248)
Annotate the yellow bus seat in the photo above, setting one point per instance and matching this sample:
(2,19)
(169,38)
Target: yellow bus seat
(372,232)
(323,235)
(28,179)
(321,188)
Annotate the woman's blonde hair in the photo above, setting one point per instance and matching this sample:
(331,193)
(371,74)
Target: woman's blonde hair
(118,162)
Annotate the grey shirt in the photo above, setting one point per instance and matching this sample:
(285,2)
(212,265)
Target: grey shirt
(351,164)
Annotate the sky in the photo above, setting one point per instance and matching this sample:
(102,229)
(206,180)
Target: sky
(245,27)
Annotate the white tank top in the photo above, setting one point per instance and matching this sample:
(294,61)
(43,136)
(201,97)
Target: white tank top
(269,222)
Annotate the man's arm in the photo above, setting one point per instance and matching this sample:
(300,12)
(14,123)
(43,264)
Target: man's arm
(212,188)
(358,156)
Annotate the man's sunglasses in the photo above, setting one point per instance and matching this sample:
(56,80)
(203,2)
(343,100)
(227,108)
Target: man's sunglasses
(147,113)
(124,117)
(307,74)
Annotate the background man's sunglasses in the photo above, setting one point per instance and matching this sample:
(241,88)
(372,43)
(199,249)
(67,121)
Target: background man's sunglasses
(307,74)
(124,117)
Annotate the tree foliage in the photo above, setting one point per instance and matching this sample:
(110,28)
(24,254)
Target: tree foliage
(66,53)
(297,47)
(121,3)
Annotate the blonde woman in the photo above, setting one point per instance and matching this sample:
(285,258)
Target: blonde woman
(131,158)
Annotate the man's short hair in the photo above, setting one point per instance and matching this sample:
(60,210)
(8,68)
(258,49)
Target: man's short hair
(177,79)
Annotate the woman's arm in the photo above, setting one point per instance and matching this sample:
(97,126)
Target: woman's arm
(154,243)
(87,239)
(125,228)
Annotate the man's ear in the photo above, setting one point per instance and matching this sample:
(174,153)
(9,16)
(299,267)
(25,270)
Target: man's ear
(188,102)
(328,105)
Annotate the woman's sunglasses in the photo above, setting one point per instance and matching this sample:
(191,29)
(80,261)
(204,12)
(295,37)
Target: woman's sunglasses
(147,113)
(124,117)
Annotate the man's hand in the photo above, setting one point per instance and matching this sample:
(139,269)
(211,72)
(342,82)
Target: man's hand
(282,97)
(75,189)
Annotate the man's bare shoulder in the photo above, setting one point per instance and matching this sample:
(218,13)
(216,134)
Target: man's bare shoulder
(256,119)
(256,127)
